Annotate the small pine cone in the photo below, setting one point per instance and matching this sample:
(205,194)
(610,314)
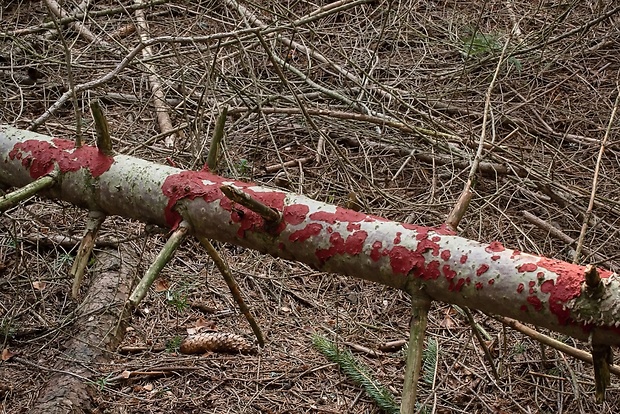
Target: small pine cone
(216,342)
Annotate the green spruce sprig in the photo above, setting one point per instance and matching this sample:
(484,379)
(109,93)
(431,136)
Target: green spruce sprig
(429,364)
(357,373)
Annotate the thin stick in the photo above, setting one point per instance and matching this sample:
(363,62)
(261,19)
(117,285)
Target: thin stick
(70,79)
(586,218)
(95,220)
(78,26)
(159,98)
(163,257)
(82,16)
(457,213)
(487,352)
(420,304)
(560,235)
(233,286)
(9,200)
(544,339)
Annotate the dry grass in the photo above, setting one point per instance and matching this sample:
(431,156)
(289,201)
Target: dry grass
(425,64)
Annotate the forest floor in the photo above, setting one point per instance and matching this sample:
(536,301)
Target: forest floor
(408,90)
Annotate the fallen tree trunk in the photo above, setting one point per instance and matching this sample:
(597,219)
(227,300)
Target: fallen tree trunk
(538,290)
(100,327)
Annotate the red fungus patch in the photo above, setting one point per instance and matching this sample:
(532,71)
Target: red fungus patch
(527,267)
(337,246)
(40,157)
(375,252)
(448,272)
(431,272)
(397,238)
(191,185)
(273,199)
(353,226)
(494,247)
(353,245)
(458,286)
(535,302)
(355,242)
(567,286)
(415,227)
(463,259)
(547,286)
(295,214)
(312,229)
(444,230)
(495,258)
(445,255)
(403,260)
(479,285)
(482,269)
(520,288)
(425,245)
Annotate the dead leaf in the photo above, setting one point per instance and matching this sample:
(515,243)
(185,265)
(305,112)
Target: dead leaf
(148,387)
(161,285)
(125,374)
(39,285)
(6,354)
(447,321)
(202,323)
(216,342)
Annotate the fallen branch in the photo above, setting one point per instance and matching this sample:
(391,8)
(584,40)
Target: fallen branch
(537,290)
(100,325)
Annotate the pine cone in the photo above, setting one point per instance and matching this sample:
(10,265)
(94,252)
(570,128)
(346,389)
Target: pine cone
(216,342)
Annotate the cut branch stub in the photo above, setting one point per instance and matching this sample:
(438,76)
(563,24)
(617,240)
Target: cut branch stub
(218,134)
(537,290)
(593,279)
(9,200)
(270,215)
(104,141)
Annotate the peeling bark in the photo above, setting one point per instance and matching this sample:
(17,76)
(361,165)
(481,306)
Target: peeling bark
(538,290)
(100,327)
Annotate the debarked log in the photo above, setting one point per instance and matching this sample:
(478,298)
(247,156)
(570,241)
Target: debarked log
(488,276)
